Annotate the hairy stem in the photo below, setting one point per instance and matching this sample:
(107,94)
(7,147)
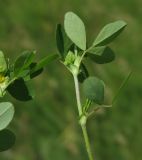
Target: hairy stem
(83,126)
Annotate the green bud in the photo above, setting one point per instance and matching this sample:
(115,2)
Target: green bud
(72,63)
(70,58)
(3,64)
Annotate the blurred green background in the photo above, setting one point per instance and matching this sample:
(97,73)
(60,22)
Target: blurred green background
(47,127)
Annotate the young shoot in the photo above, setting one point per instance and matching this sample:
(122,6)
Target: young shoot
(16,79)
(72,45)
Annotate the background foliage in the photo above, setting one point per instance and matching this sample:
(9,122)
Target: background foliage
(46,128)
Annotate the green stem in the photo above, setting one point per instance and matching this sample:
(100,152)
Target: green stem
(83,126)
(78,95)
(87,143)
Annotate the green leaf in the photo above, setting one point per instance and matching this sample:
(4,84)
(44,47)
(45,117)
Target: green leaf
(62,41)
(23,62)
(44,62)
(101,55)
(7,140)
(6,114)
(83,73)
(21,90)
(33,73)
(109,33)
(3,64)
(93,89)
(75,30)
